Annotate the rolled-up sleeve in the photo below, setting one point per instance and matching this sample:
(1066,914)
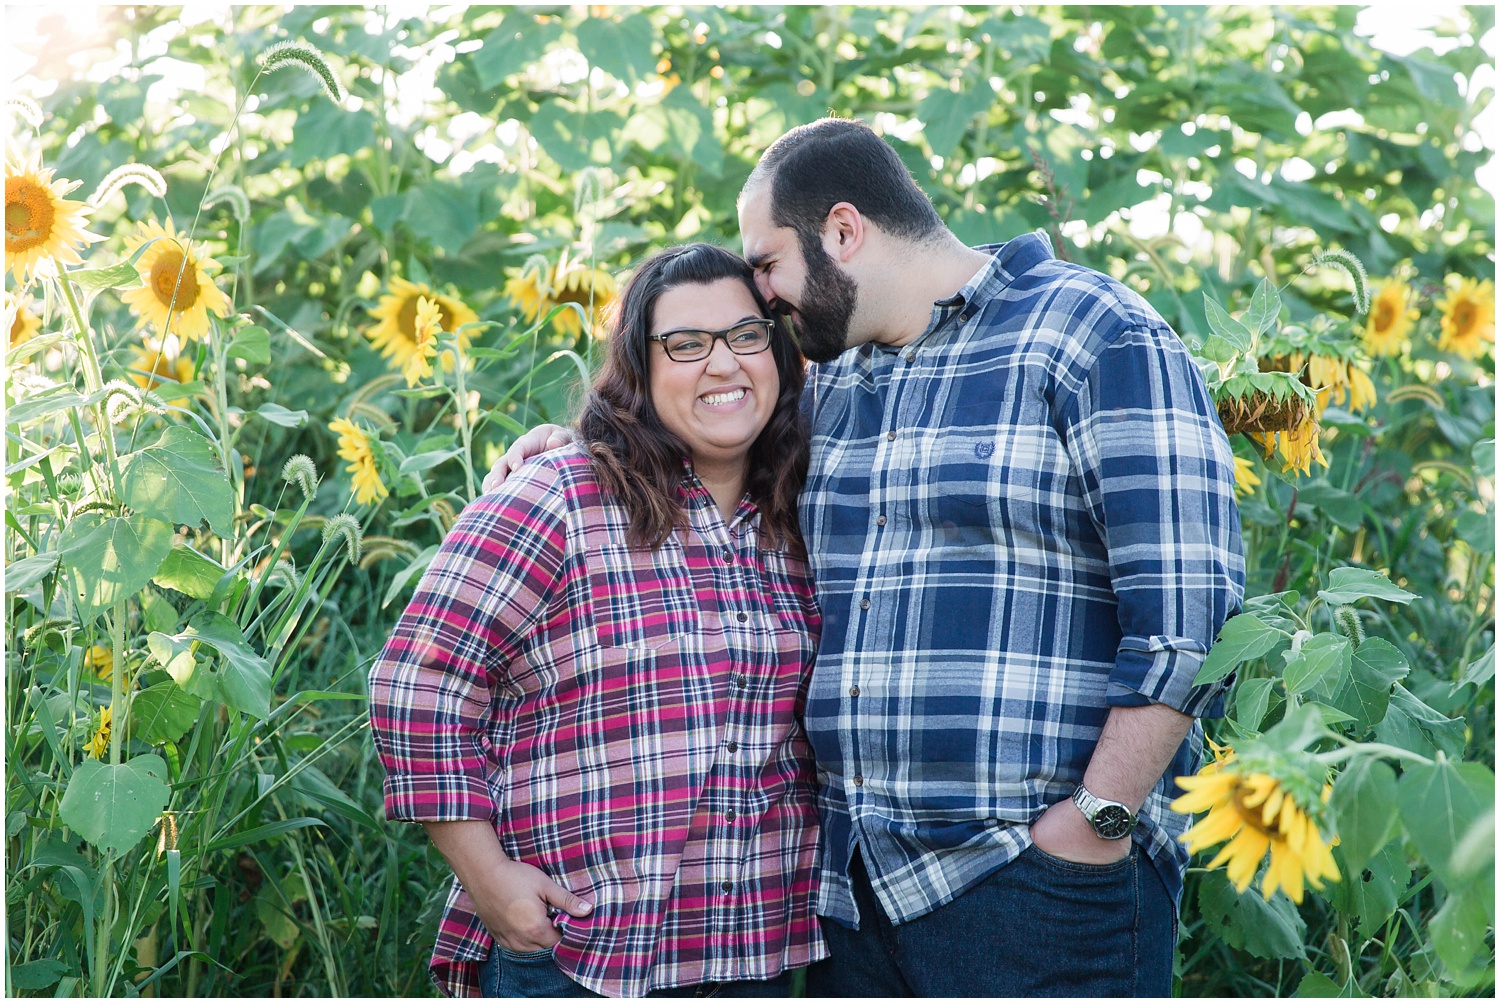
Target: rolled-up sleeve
(1158,476)
(431,688)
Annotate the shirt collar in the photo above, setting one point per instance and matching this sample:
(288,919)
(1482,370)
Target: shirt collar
(697,498)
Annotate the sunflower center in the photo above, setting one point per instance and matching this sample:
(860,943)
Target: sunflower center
(167,285)
(407,318)
(1385,315)
(1463,318)
(1252,816)
(28,215)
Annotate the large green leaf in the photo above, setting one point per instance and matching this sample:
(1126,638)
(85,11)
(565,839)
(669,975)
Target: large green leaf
(947,114)
(112,807)
(1371,893)
(1266,929)
(1459,929)
(620,48)
(28,571)
(110,558)
(1364,692)
(1321,657)
(179,478)
(1364,802)
(1347,585)
(163,713)
(1438,804)
(1413,725)
(1242,638)
(189,572)
(242,681)
(516,44)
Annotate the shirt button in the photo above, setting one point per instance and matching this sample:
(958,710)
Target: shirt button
(733,747)
(729,815)
(859,781)
(728,886)
(891,435)
(880,520)
(728,556)
(740,680)
(864,604)
(854,691)
(742,617)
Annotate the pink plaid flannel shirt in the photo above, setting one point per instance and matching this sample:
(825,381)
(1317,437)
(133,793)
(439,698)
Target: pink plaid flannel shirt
(629,720)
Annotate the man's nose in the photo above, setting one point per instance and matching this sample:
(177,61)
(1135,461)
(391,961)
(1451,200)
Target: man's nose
(763,283)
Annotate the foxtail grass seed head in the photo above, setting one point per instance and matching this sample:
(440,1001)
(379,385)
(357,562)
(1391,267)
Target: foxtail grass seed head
(167,840)
(284,575)
(148,178)
(239,202)
(306,58)
(299,470)
(346,526)
(36,634)
(1340,258)
(1347,617)
(121,399)
(588,190)
(29,110)
(97,505)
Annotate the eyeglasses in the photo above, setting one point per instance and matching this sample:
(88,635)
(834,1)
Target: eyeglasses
(748,337)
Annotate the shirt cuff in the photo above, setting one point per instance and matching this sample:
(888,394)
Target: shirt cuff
(1160,670)
(437,797)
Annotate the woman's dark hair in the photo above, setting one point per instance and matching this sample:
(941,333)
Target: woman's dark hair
(814,167)
(638,458)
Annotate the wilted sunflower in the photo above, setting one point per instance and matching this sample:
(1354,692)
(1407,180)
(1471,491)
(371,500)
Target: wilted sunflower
(424,342)
(354,446)
(39,222)
(1255,814)
(1245,478)
(1391,317)
(1299,446)
(537,290)
(150,357)
(1361,389)
(101,660)
(1468,317)
(23,323)
(396,334)
(176,287)
(98,746)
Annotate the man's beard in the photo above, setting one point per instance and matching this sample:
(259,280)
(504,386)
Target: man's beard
(828,300)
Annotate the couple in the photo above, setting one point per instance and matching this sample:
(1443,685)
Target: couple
(1018,511)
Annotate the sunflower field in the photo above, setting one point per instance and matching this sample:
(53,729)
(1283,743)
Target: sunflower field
(281,282)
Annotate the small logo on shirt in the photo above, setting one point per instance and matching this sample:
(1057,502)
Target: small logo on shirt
(984,450)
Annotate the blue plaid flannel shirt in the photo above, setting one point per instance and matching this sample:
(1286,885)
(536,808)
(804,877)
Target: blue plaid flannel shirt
(1021,519)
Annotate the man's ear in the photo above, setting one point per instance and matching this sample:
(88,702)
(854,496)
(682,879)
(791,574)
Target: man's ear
(843,232)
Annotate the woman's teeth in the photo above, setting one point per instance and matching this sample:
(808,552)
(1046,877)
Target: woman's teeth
(724,398)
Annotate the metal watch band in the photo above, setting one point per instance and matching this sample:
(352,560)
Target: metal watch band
(1110,819)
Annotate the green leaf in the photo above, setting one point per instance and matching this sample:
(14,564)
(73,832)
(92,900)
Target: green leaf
(412,570)
(1242,638)
(243,682)
(110,559)
(1364,802)
(1347,585)
(36,975)
(278,415)
(946,115)
(1459,928)
(179,478)
(189,572)
(1370,894)
(157,612)
(315,787)
(1265,929)
(516,44)
(1226,327)
(1479,672)
(680,128)
(1413,725)
(1264,308)
(163,713)
(112,807)
(1341,507)
(1477,529)
(1319,657)
(1439,802)
(50,402)
(1364,692)
(1316,985)
(25,573)
(426,461)
(270,831)
(620,48)
(118,276)
(253,344)
(1252,698)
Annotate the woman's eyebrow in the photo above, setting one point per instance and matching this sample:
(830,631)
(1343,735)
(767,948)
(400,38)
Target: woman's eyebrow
(742,320)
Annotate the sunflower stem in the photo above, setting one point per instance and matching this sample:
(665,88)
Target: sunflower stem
(93,376)
(1352,748)
(461,406)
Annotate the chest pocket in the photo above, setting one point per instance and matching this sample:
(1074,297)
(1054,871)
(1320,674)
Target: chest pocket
(641,598)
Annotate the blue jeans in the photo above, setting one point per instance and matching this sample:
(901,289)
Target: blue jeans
(510,976)
(1039,926)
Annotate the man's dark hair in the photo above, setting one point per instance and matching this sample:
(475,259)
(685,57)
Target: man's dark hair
(816,166)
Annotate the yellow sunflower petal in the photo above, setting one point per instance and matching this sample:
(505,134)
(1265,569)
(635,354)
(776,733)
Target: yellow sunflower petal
(40,224)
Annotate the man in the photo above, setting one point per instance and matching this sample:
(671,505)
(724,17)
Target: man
(1021,520)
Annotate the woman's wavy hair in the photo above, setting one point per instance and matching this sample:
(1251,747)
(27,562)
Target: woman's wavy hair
(639,459)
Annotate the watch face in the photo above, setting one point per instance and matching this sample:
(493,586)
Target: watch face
(1113,822)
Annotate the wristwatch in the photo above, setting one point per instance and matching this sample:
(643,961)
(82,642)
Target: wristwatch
(1110,819)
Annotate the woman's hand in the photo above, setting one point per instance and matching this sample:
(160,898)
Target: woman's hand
(534,442)
(515,900)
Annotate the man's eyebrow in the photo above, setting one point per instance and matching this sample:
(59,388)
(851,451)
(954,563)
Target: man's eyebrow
(757,260)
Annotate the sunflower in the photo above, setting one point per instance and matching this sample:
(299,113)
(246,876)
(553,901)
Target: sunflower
(1255,814)
(396,334)
(150,357)
(537,290)
(39,222)
(23,323)
(1298,446)
(1390,319)
(354,446)
(1468,314)
(1361,389)
(98,746)
(177,293)
(1328,375)
(101,660)
(1245,478)
(424,341)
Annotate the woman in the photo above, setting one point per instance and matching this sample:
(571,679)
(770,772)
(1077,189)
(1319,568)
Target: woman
(592,700)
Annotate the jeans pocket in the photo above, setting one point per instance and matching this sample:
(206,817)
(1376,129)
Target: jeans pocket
(526,957)
(1121,866)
